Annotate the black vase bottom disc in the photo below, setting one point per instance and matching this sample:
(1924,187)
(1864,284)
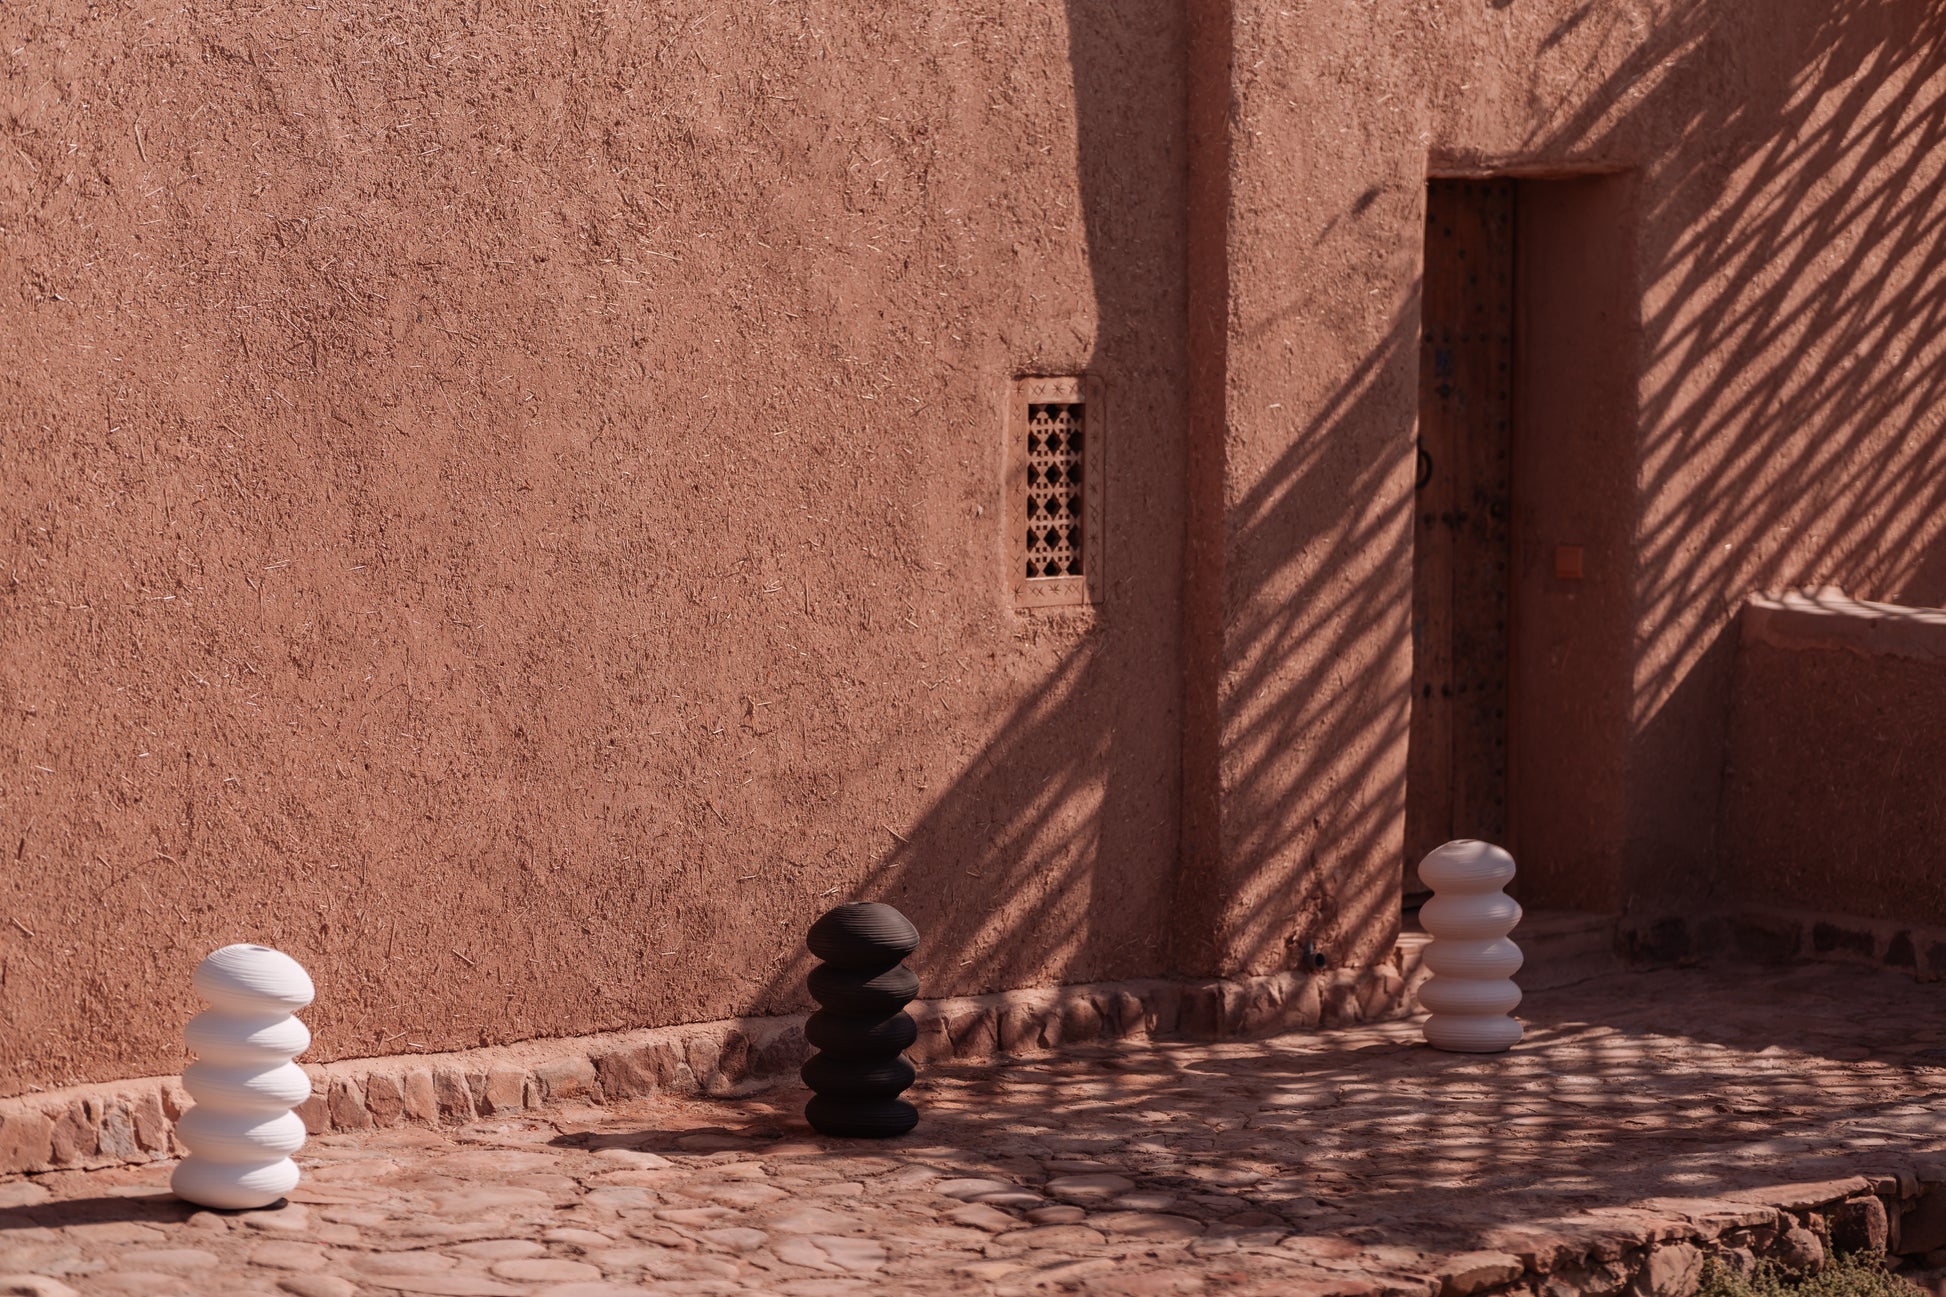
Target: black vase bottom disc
(861,1118)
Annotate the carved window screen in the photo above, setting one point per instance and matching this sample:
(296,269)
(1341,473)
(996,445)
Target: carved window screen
(1057,444)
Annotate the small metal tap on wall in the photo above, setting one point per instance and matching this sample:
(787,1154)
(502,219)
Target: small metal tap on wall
(861,1028)
(1472,994)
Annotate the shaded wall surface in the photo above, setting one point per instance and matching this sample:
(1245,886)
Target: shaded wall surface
(505,502)
(1832,801)
(1764,258)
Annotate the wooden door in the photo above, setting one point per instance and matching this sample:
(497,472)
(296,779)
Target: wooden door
(1456,769)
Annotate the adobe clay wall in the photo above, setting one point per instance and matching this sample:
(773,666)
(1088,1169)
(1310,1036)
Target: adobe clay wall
(1832,804)
(505,504)
(1731,217)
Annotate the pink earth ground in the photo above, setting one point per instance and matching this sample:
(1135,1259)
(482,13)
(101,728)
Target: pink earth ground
(1683,1107)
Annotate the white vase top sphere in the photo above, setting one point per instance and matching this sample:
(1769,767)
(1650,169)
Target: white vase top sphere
(254,980)
(1467,865)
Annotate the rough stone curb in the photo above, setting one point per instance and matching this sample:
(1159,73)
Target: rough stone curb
(1780,936)
(1658,1248)
(121,1122)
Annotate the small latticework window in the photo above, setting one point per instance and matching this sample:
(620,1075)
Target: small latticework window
(1056,471)
(1056,540)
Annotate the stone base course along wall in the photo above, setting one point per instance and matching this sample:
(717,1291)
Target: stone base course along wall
(121,1122)
(1789,936)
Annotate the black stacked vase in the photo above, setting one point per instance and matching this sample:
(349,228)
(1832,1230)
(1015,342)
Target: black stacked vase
(861,1029)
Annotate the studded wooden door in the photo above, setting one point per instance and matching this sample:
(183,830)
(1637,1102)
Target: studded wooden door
(1456,769)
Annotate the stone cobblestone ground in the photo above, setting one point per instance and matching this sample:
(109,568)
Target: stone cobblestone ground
(1662,1106)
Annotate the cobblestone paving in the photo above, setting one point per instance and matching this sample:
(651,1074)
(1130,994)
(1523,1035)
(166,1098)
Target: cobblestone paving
(1349,1161)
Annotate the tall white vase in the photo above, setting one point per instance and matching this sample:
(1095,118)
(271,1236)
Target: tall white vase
(1471,994)
(241,1132)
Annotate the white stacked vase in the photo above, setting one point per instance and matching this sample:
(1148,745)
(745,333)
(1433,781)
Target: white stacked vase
(1471,995)
(241,1132)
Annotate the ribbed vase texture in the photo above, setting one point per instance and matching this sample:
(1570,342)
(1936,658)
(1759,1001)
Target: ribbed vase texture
(861,1028)
(241,1131)
(1471,995)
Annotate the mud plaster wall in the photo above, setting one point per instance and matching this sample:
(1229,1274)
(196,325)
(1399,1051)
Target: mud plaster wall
(1780,223)
(1849,825)
(503,502)
(505,505)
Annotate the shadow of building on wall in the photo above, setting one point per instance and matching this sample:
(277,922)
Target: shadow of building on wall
(1790,240)
(1791,246)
